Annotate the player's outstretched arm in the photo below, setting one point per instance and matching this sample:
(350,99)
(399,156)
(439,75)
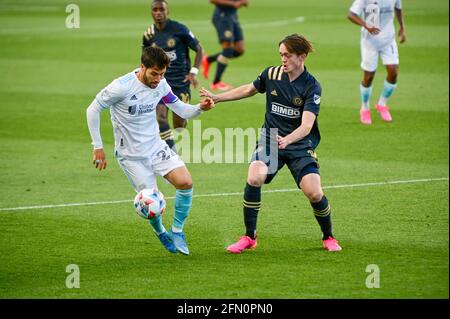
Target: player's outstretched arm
(238,93)
(184,110)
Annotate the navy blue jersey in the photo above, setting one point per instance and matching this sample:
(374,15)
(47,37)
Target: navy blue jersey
(175,40)
(286,101)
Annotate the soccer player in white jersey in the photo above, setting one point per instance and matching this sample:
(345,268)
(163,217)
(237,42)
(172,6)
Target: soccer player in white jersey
(376,18)
(132,100)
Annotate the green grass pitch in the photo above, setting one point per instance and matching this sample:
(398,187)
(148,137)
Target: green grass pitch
(394,216)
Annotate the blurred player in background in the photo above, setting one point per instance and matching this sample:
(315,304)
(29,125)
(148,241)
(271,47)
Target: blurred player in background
(132,100)
(376,18)
(231,38)
(176,40)
(292,106)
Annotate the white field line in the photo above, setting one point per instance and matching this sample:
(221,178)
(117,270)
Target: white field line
(410,181)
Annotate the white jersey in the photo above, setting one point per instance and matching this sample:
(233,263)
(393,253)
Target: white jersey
(379,14)
(132,105)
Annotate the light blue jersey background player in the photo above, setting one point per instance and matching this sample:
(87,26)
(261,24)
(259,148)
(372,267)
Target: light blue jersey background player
(376,18)
(132,100)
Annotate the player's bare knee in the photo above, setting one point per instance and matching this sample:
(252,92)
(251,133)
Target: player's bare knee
(367,81)
(368,78)
(392,78)
(257,173)
(186,183)
(256,181)
(314,196)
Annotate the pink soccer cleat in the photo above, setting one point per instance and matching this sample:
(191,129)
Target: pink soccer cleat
(364,116)
(221,86)
(384,112)
(205,66)
(331,244)
(244,242)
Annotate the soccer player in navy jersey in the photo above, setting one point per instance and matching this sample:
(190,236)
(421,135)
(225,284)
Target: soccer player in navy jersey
(292,106)
(231,38)
(176,40)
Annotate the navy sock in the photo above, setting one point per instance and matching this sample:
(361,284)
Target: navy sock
(252,204)
(219,71)
(222,62)
(322,212)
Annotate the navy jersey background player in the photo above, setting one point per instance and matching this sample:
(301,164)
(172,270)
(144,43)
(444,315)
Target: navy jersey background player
(231,38)
(176,40)
(292,106)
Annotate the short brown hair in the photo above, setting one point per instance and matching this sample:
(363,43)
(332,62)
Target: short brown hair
(154,57)
(297,44)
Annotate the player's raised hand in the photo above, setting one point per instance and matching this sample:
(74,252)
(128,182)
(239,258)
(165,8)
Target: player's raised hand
(99,158)
(207,104)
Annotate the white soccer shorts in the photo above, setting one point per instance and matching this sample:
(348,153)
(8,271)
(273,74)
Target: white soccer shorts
(141,173)
(370,54)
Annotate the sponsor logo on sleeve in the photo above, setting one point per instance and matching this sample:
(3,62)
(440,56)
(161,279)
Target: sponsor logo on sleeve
(316,99)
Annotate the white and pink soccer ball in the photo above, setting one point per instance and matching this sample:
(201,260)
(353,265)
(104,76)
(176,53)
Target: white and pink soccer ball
(149,203)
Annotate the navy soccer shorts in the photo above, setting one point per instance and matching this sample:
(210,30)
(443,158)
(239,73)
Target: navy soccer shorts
(228,28)
(299,161)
